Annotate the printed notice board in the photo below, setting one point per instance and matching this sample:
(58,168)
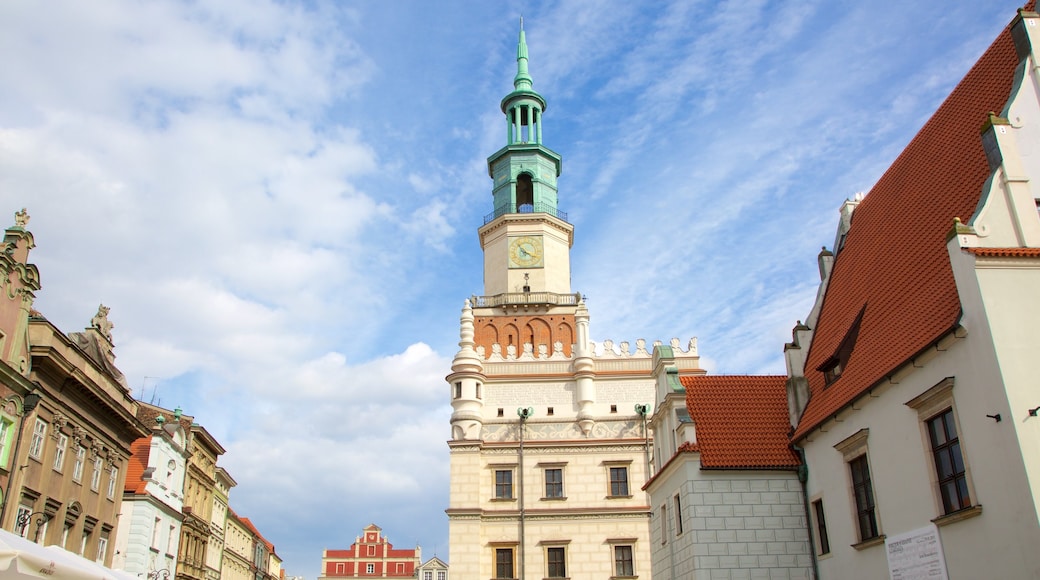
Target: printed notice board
(916,555)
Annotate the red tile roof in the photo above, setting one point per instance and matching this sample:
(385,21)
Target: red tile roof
(741,421)
(135,466)
(894,265)
(1005,252)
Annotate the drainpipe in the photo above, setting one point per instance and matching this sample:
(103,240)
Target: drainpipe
(524,414)
(803,478)
(643,410)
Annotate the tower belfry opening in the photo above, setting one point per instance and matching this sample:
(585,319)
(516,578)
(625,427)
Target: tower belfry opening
(524,193)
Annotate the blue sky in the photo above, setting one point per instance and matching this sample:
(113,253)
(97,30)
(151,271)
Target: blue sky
(279,200)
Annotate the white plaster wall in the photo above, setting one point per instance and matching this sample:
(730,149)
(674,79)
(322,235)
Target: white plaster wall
(736,524)
(999,543)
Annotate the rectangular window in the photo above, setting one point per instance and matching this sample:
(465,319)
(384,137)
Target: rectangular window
(503,484)
(95,478)
(441,575)
(400,569)
(155,533)
(427,575)
(371,550)
(458,390)
(554,482)
(370,568)
(504,563)
(556,557)
(77,467)
(83,543)
(340,568)
(59,452)
(39,431)
(113,477)
(171,541)
(623,561)
(949,464)
(22,522)
(864,494)
(102,547)
(678,516)
(821,527)
(5,434)
(619,481)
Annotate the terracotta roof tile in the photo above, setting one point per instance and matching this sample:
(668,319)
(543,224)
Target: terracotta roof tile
(894,264)
(1005,252)
(741,421)
(135,466)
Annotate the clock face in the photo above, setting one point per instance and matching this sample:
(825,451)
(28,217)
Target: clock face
(525,252)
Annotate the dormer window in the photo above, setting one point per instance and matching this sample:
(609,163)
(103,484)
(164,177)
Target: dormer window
(834,366)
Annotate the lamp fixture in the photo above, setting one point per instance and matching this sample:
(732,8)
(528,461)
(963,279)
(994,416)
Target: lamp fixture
(1034,411)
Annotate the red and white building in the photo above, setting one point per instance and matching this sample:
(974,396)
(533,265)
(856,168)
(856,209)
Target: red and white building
(371,555)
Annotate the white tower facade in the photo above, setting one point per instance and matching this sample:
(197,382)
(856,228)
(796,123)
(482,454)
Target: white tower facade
(549,444)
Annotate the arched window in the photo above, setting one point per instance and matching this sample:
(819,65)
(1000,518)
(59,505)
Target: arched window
(524,193)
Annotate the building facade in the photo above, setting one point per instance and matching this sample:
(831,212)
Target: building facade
(549,447)
(218,522)
(238,550)
(199,491)
(726,494)
(433,569)
(371,555)
(912,384)
(153,498)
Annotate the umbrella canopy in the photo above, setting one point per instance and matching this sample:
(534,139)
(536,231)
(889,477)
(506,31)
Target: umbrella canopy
(21,559)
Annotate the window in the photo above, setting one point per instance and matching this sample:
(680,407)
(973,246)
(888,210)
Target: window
(504,563)
(664,524)
(113,476)
(371,550)
(441,575)
(400,569)
(340,568)
(864,494)
(619,481)
(171,541)
(478,390)
(155,533)
(503,484)
(623,561)
(59,452)
(77,467)
(427,575)
(678,516)
(821,527)
(949,464)
(835,365)
(554,483)
(39,430)
(549,411)
(5,435)
(83,543)
(370,568)
(23,520)
(556,558)
(102,547)
(95,478)
(458,390)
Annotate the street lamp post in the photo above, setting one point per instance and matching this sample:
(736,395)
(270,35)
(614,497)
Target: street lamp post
(25,519)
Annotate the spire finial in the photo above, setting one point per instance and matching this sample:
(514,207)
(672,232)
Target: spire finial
(522,81)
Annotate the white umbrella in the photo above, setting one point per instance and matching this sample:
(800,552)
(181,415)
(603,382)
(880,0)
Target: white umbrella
(21,559)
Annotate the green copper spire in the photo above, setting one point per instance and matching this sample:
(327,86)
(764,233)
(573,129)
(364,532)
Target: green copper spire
(522,81)
(525,170)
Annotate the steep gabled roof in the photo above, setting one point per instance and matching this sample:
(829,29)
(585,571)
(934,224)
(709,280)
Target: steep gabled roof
(894,266)
(135,466)
(741,421)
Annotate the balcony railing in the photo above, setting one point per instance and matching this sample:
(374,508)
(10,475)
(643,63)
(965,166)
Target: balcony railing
(526,208)
(526,299)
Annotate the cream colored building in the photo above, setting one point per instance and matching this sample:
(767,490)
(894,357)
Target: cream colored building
(913,382)
(549,444)
(238,550)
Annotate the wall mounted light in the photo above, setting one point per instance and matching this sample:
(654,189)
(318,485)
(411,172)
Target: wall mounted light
(1034,411)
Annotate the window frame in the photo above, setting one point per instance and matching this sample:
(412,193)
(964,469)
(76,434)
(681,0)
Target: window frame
(556,561)
(820,523)
(677,501)
(615,484)
(865,511)
(370,568)
(95,476)
(503,490)
(77,467)
(618,547)
(38,435)
(932,403)
(59,452)
(497,563)
(553,485)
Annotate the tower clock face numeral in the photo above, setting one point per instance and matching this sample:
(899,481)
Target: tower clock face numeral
(525,252)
